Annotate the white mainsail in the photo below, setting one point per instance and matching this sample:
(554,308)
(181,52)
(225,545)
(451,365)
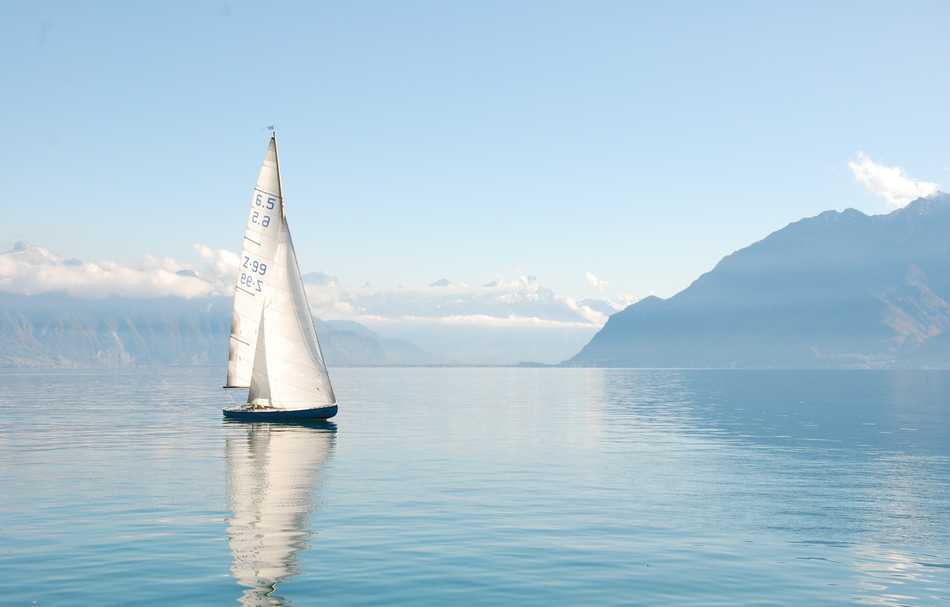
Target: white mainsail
(272,471)
(260,241)
(289,372)
(274,348)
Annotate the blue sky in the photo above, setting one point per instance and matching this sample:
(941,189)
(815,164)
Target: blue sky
(633,141)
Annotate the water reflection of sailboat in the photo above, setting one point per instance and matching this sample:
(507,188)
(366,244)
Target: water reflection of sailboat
(272,471)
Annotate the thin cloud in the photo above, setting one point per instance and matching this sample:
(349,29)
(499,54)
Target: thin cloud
(484,320)
(597,283)
(890,182)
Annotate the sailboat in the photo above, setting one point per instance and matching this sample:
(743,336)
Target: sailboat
(274,351)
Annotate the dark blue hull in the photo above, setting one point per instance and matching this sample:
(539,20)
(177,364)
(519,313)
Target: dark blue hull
(280,415)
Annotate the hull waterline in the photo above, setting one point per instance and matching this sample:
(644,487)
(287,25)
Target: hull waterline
(280,415)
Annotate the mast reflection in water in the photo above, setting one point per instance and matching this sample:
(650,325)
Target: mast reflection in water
(272,472)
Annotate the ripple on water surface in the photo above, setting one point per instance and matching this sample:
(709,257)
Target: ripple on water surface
(518,486)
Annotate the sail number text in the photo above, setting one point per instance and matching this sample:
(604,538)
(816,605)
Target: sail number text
(268,203)
(249,281)
(257,267)
(258,217)
(251,269)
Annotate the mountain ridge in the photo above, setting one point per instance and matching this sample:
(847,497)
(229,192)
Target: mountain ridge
(57,330)
(839,289)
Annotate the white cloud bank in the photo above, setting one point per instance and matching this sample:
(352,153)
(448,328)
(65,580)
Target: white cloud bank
(501,322)
(31,270)
(891,182)
(521,303)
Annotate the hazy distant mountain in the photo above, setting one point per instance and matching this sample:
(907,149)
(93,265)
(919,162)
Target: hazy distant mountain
(345,342)
(63,331)
(842,289)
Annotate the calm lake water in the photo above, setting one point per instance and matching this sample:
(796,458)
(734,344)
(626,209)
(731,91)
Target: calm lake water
(480,486)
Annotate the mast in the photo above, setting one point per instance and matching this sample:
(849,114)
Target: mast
(280,181)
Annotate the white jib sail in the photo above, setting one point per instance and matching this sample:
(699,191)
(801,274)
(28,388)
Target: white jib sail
(289,372)
(260,241)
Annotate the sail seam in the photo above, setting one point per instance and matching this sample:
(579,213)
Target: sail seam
(266,192)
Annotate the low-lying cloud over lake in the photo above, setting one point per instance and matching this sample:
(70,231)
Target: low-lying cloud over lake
(503,321)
